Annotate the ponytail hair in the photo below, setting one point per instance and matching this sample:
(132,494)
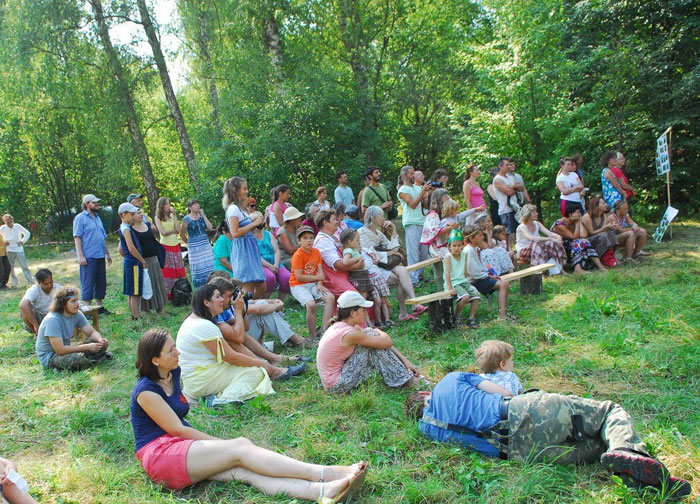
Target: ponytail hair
(231,188)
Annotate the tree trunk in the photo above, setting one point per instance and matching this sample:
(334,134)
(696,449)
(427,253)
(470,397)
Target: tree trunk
(203,44)
(273,44)
(127,100)
(178,119)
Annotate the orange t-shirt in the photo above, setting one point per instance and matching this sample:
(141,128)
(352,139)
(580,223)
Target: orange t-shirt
(307,263)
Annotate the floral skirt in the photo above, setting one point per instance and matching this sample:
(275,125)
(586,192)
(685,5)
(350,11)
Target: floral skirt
(580,251)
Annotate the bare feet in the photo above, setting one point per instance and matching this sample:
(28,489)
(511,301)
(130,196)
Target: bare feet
(336,472)
(413,382)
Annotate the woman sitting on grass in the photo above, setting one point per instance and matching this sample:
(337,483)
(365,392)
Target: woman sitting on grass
(176,455)
(347,354)
(210,367)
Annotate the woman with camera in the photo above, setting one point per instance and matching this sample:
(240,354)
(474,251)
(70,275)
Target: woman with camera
(270,255)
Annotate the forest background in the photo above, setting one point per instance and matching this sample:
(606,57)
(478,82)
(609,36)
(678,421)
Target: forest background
(292,91)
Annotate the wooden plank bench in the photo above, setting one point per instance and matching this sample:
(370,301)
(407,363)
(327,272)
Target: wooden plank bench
(423,264)
(530,278)
(89,311)
(441,310)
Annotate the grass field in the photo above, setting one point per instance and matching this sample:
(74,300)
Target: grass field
(631,335)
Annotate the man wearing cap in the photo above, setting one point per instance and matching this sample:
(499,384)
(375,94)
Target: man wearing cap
(137,200)
(15,236)
(353,217)
(91,247)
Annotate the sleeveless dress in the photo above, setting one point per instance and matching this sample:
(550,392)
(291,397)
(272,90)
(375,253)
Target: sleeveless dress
(246,265)
(200,253)
(174,266)
(610,194)
(602,241)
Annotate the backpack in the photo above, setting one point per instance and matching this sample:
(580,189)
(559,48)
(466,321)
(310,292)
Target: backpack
(181,293)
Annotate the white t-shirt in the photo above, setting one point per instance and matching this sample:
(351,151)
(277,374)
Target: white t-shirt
(519,180)
(40,301)
(191,336)
(13,235)
(521,241)
(501,197)
(570,180)
(234,211)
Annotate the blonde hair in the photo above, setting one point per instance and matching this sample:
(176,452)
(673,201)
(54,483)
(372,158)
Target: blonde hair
(491,353)
(255,215)
(449,208)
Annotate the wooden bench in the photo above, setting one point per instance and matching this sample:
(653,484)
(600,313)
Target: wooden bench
(89,311)
(441,311)
(423,264)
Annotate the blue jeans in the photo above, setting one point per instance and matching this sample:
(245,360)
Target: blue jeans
(93,279)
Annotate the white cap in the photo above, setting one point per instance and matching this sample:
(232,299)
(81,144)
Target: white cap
(89,198)
(127,207)
(350,299)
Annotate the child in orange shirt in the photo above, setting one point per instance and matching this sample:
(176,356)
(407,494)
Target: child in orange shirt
(306,281)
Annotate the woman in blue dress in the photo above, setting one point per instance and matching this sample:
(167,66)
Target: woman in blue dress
(199,250)
(246,263)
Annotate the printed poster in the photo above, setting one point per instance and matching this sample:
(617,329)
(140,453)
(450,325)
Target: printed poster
(663,165)
(669,215)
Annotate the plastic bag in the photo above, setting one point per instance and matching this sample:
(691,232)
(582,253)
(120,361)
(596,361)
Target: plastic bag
(147,287)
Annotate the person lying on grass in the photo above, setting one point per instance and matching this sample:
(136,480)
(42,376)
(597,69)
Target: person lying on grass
(536,426)
(477,272)
(495,359)
(176,455)
(347,354)
(211,367)
(53,346)
(455,268)
(234,325)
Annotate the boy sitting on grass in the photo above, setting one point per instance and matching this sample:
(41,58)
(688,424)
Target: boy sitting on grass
(455,271)
(477,273)
(306,281)
(495,359)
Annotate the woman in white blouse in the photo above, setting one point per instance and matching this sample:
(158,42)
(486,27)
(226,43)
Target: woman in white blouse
(535,244)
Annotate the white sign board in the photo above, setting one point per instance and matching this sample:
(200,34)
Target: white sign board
(669,215)
(663,165)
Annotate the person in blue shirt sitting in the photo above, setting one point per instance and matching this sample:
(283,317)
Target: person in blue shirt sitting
(536,426)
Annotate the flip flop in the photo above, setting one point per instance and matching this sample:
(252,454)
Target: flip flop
(407,318)
(353,488)
(418,309)
(292,371)
(297,358)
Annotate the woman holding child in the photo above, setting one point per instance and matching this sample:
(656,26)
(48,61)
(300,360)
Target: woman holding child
(347,354)
(177,456)
(535,244)
(495,254)
(435,234)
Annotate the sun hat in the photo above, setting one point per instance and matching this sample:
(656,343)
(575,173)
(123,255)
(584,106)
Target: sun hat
(350,299)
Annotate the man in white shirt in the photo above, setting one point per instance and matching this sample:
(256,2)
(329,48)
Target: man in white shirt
(16,236)
(505,185)
(36,303)
(523,195)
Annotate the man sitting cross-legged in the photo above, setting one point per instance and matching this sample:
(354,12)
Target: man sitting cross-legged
(535,426)
(53,346)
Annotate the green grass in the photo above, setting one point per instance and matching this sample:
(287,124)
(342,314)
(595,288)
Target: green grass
(630,336)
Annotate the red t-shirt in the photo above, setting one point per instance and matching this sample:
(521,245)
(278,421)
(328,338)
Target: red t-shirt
(621,176)
(307,263)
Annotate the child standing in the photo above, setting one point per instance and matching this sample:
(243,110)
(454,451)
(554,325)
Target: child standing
(134,263)
(455,268)
(350,239)
(451,214)
(477,273)
(495,359)
(306,281)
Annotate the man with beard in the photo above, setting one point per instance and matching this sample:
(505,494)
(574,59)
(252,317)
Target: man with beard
(376,193)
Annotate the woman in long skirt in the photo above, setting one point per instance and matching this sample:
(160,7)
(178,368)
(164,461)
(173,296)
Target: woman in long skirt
(169,229)
(246,263)
(200,254)
(149,251)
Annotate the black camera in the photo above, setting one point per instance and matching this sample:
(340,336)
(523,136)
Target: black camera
(436,184)
(247,296)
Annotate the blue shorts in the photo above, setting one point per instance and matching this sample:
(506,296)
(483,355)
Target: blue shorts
(485,285)
(133,279)
(508,221)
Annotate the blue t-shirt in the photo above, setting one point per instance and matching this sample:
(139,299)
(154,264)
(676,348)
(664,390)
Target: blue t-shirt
(353,224)
(145,429)
(456,400)
(225,315)
(343,195)
(92,234)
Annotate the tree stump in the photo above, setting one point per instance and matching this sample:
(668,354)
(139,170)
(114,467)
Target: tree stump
(531,284)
